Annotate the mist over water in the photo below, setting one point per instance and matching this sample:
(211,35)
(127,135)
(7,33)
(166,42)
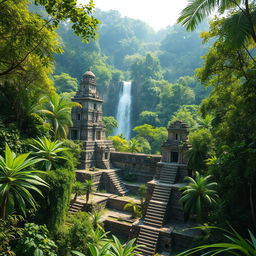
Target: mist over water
(124,111)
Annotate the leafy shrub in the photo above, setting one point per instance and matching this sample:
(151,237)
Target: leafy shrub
(9,232)
(72,155)
(34,241)
(9,134)
(56,200)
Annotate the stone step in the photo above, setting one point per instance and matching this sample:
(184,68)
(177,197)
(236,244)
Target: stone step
(147,242)
(168,177)
(161,193)
(76,207)
(155,217)
(162,189)
(157,204)
(77,204)
(153,224)
(171,173)
(155,212)
(145,251)
(151,220)
(159,198)
(149,230)
(148,236)
(156,209)
(166,195)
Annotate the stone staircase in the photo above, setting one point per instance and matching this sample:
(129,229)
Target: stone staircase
(117,183)
(148,238)
(157,206)
(75,207)
(155,214)
(168,174)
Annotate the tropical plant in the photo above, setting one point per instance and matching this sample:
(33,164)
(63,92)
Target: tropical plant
(128,249)
(88,186)
(48,150)
(142,194)
(16,181)
(35,241)
(97,237)
(198,195)
(78,189)
(201,141)
(102,251)
(110,123)
(236,245)
(135,208)
(57,109)
(96,219)
(134,146)
(238,29)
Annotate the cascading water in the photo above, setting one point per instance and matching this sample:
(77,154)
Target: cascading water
(124,111)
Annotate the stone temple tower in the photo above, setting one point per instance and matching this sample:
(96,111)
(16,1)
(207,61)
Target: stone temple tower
(88,126)
(176,145)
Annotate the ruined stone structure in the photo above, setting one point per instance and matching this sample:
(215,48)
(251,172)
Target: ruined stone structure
(88,126)
(176,145)
(163,205)
(164,175)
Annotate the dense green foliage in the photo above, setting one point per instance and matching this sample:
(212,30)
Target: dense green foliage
(110,123)
(229,68)
(35,241)
(56,199)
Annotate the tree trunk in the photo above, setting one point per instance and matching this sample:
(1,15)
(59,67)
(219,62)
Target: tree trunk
(3,207)
(252,204)
(87,196)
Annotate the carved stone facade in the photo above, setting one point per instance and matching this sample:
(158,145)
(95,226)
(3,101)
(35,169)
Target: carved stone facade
(88,126)
(177,143)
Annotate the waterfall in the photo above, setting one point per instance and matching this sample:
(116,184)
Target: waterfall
(124,111)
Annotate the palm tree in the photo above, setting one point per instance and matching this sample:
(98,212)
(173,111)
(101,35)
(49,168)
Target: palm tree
(199,194)
(57,110)
(88,187)
(16,181)
(237,245)
(48,150)
(136,209)
(134,146)
(78,189)
(238,28)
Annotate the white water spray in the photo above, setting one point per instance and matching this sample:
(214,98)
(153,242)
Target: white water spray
(124,111)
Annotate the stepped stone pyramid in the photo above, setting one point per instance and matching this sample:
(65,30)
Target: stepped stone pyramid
(172,167)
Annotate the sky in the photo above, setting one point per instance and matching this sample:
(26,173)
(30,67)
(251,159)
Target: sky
(158,13)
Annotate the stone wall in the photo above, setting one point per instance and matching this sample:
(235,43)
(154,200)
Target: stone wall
(141,165)
(118,229)
(175,210)
(116,204)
